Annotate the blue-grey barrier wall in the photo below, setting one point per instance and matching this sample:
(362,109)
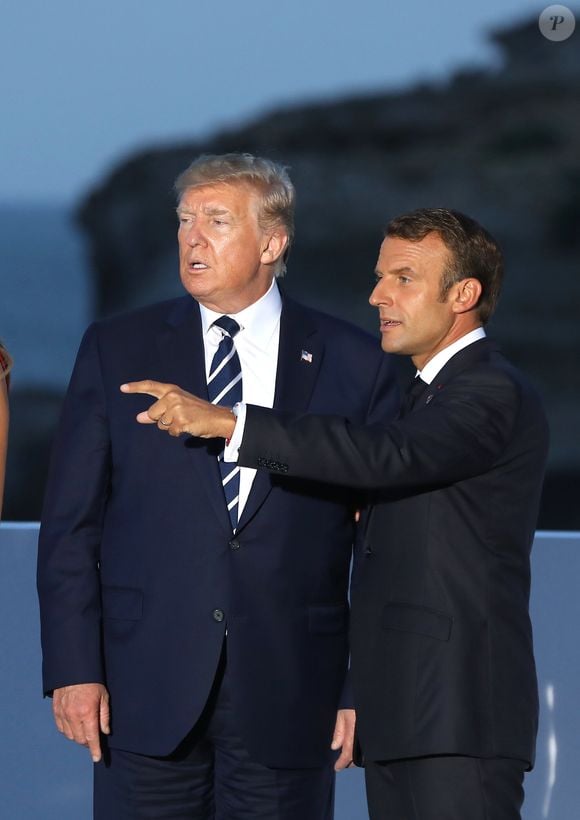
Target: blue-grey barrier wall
(45,777)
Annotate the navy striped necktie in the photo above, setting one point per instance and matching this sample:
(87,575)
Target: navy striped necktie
(224,387)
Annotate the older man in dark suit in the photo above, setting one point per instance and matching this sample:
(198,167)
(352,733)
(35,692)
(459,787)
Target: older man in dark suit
(207,604)
(442,660)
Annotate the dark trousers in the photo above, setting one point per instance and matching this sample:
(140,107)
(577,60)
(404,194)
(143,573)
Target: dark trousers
(211,776)
(445,788)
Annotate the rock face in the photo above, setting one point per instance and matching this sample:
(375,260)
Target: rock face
(501,145)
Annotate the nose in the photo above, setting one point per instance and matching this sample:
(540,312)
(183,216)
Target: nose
(193,234)
(379,295)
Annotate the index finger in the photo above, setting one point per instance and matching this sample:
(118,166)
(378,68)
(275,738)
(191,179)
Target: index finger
(93,741)
(147,386)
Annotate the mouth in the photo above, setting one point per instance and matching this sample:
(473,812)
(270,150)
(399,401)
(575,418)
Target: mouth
(387,324)
(197,266)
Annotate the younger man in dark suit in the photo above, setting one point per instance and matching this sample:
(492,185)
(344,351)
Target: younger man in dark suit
(442,661)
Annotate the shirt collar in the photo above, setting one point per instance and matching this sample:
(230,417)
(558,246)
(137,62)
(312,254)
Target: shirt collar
(259,320)
(440,359)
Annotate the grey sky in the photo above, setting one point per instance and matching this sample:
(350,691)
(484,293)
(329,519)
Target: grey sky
(81,85)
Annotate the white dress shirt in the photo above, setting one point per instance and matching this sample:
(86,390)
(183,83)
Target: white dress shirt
(257,344)
(440,359)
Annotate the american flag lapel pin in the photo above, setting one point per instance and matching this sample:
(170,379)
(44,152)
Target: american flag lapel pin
(305,356)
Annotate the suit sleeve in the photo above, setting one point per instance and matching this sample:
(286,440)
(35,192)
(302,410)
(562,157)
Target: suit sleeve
(70,534)
(458,435)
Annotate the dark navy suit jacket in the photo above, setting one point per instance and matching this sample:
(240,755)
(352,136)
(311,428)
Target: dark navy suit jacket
(442,659)
(139,573)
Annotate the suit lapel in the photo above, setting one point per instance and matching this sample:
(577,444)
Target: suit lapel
(181,348)
(181,353)
(465,358)
(300,355)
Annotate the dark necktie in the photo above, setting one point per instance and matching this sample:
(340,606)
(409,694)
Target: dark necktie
(412,393)
(224,387)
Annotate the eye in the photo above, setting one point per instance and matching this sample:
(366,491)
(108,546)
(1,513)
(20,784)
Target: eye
(404,280)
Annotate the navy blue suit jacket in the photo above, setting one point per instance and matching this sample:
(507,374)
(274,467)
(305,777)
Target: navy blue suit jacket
(137,560)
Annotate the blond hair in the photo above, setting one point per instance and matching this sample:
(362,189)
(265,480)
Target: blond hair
(268,178)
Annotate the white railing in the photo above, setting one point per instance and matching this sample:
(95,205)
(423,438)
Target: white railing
(45,777)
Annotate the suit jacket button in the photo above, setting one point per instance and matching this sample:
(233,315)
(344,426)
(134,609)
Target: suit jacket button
(234,544)
(218,615)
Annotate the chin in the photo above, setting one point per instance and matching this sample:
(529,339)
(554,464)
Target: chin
(194,288)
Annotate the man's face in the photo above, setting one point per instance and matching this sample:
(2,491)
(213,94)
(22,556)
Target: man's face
(226,261)
(413,320)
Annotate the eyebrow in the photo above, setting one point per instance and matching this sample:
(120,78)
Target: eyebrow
(215,211)
(394,271)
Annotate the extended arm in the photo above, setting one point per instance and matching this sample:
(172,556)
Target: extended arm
(461,434)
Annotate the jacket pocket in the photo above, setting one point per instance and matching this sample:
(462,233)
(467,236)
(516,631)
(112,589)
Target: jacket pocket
(328,620)
(417,619)
(122,603)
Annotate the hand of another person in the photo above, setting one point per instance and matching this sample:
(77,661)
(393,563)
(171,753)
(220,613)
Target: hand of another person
(343,737)
(176,411)
(4,417)
(81,712)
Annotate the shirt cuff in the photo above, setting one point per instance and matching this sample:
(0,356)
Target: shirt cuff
(231,450)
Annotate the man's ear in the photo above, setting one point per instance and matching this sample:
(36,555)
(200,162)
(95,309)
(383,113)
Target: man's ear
(466,295)
(276,244)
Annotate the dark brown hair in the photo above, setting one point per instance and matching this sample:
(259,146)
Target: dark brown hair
(473,252)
